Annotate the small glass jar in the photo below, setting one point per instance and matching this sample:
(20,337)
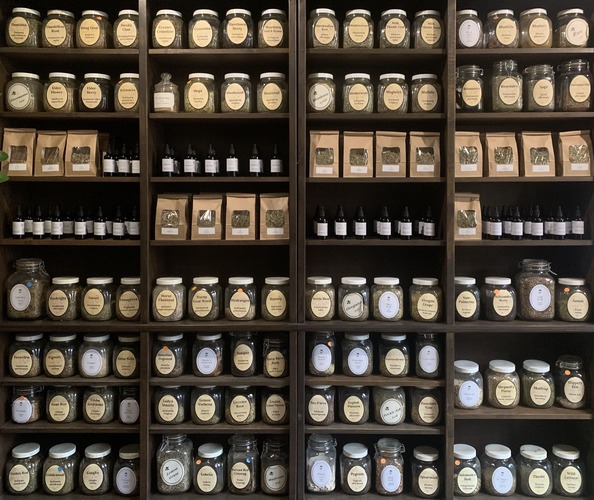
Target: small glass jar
(168,30)
(24,93)
(200,93)
(204,30)
(358,30)
(57,30)
(238,29)
(355,469)
(169,355)
(243,464)
(539,88)
(275,470)
(389,466)
(320,463)
(63,299)
(426,300)
(274,406)
(536,290)
(272,93)
(572,31)
(98,300)
(24,469)
(428,31)
(24,355)
(169,299)
(538,388)
(26,290)
(319,404)
(96,470)
(498,299)
(353,404)
(322,354)
(568,471)
(535,471)
(273,29)
(93,30)
(127,300)
(468,385)
(320,298)
(570,382)
(23,28)
(129,405)
(467,299)
(357,93)
(425,93)
(394,30)
(321,93)
(28,404)
(240,405)
(166,95)
(503,384)
(392,93)
(206,405)
(322,29)
(387,299)
(99,404)
(426,472)
(357,355)
(428,356)
(95,93)
(209,471)
(204,299)
(60,356)
(536,29)
(207,355)
(469,30)
(275,299)
(502,30)
(60,469)
(467,471)
(498,470)
(94,356)
(506,87)
(394,355)
(126,93)
(174,464)
(275,354)
(353,299)
(574,86)
(240,299)
(125,30)
(389,405)
(469,88)
(572,300)
(170,404)
(126,472)
(426,405)
(243,354)
(236,93)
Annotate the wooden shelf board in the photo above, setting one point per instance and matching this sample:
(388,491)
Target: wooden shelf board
(79,115)
(376,180)
(523,180)
(519,326)
(68,242)
(75,495)
(404,326)
(221,117)
(524,243)
(221,380)
(77,380)
(221,325)
(220,180)
(376,55)
(388,118)
(44,55)
(222,428)
(219,57)
(374,242)
(521,116)
(78,427)
(217,243)
(374,428)
(519,496)
(373,381)
(523,413)
(225,495)
(338,495)
(125,180)
(76,326)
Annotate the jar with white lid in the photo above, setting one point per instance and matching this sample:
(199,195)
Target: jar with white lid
(428,31)
(536,29)
(200,94)
(169,299)
(204,30)
(95,93)
(353,404)
(126,93)
(125,30)
(467,471)
(394,30)
(99,404)
(24,469)
(126,472)
(169,355)
(355,469)
(57,30)
(168,30)
(389,405)
(94,356)
(498,470)
(170,404)
(93,30)
(426,472)
(387,299)
(538,387)
(394,355)
(60,469)
(24,355)
(60,356)
(467,299)
(358,30)
(357,93)
(275,299)
(24,93)
(357,355)
(240,299)
(426,300)
(502,30)
(569,471)
(64,299)
(207,355)
(236,93)
(209,469)
(273,29)
(126,356)
(128,299)
(98,299)
(60,93)
(503,384)
(238,29)
(204,299)
(353,299)
(27,404)
(468,385)
(572,300)
(392,93)
(469,88)
(498,299)
(322,29)
(96,470)
(320,297)
(573,29)
(535,471)
(23,28)
(469,30)
(272,93)
(425,93)
(321,93)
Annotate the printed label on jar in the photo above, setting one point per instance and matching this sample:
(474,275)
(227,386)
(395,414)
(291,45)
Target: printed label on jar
(506,393)
(239,304)
(429,359)
(509,91)
(276,303)
(389,305)
(172,472)
(55,32)
(89,32)
(502,480)
(358,96)
(506,31)
(391,478)
(321,473)
(243,357)
(165,33)
(272,32)
(240,475)
(321,304)
(92,477)
(18,30)
(272,96)
(428,481)
(237,30)
(275,477)
(395,31)
(580,88)
(20,297)
(129,411)
(95,407)
(577,32)
(578,305)
(129,304)
(93,302)
(354,409)
(126,480)
(202,303)
(57,303)
(318,408)
(55,478)
(22,410)
(205,407)
(358,29)
(92,362)
(164,101)
(324,31)
(357,478)
(54,362)
(275,408)
(467,481)
(240,408)
(206,361)
(58,408)
(428,306)
(574,390)
(320,96)
(466,304)
(275,364)
(540,393)
(543,93)
(168,408)
(540,298)
(353,305)
(392,412)
(91,95)
(393,96)
(395,362)
(166,303)
(571,479)
(198,95)
(127,95)
(472,93)
(358,361)
(206,479)
(539,481)
(431,31)
(468,394)
(18,96)
(21,362)
(539,31)
(165,361)
(503,302)
(469,33)
(19,478)
(428,410)
(202,33)
(126,32)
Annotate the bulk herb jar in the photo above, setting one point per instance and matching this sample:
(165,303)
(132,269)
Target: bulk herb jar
(535,471)
(57,30)
(273,29)
(62,404)
(322,29)
(24,93)
(243,354)
(98,299)
(206,405)
(389,405)
(355,469)
(319,404)
(24,355)
(426,300)
(99,404)
(169,299)
(168,30)
(467,471)
(469,30)
(275,299)
(96,470)
(126,472)
(428,356)
(572,300)
(394,30)
(322,353)
(125,30)
(170,404)
(574,86)
(536,290)
(353,404)
(469,88)
(426,472)
(502,30)
(174,464)
(169,355)
(243,464)
(200,93)
(94,356)
(27,290)
(425,93)
(60,356)
(357,93)
(353,299)
(272,93)
(60,469)
(539,88)
(320,463)
(428,31)
(394,355)
(426,405)
(129,405)
(506,86)
(568,471)
(503,384)
(238,29)
(27,405)
(204,299)
(357,30)
(240,405)
(389,466)
(498,299)
(468,385)
(24,469)
(538,388)
(570,382)
(467,299)
(95,93)
(236,93)
(127,300)
(93,30)
(321,93)
(357,355)
(166,95)
(204,30)
(572,31)
(498,470)
(126,93)
(207,355)
(536,29)
(23,28)
(240,299)
(209,470)
(64,299)
(387,299)
(274,406)
(274,479)
(320,298)
(392,93)
(275,354)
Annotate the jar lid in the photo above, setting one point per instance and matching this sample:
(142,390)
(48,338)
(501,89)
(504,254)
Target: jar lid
(356,336)
(570,11)
(207,76)
(354,12)
(424,76)
(130,452)
(321,387)
(128,12)
(210,450)
(101,76)
(464,451)
(425,281)
(357,76)
(241,280)
(466,366)
(62,75)
(391,12)
(386,280)
(171,387)
(390,387)
(533,452)
(170,337)
(536,366)
(353,280)
(467,12)
(498,451)
(235,12)
(398,76)
(129,75)
(502,366)
(322,11)
(464,280)
(390,445)
(128,339)
(103,280)
(497,280)
(95,13)
(426,453)
(389,336)
(28,338)
(355,450)
(65,280)
(319,280)
(570,362)
(62,338)
(560,450)
(171,280)
(59,12)
(210,12)
(239,387)
(214,336)
(25,450)
(276,280)
(168,12)
(245,76)
(273,11)
(24,10)
(130,281)
(272,75)
(572,281)
(205,280)
(354,386)
(427,13)
(63,450)
(330,76)
(96,338)
(22,74)
(533,11)
(501,12)
(97,450)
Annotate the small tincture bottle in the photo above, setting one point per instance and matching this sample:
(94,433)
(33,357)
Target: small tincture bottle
(99,225)
(108,163)
(537,229)
(560,229)
(340,224)
(384,224)
(80,225)
(211,163)
(405,225)
(124,167)
(190,169)
(549,225)
(360,224)
(321,223)
(134,224)
(528,222)
(38,229)
(276,163)
(109,223)
(428,232)
(231,163)
(168,162)
(28,219)
(486,223)
(68,222)
(577,225)
(256,163)
(57,232)
(18,225)
(135,162)
(47,223)
(517,225)
(496,225)
(118,225)
(90,224)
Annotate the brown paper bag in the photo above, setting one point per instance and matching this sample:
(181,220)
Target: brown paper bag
(274,216)
(575,153)
(538,156)
(82,153)
(240,218)
(469,154)
(323,153)
(171,217)
(49,153)
(357,154)
(467,214)
(390,154)
(502,154)
(424,156)
(207,217)
(19,145)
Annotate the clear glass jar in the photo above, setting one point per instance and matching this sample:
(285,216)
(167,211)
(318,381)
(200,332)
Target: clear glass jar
(428,31)
(428,356)
(24,93)
(357,93)
(170,404)
(353,299)
(355,469)
(320,299)
(392,93)
(200,93)
(358,30)
(95,93)
(94,356)
(570,382)
(321,93)
(394,30)
(127,300)
(536,29)
(204,30)
(274,463)
(319,404)
(322,29)
(275,354)
(23,28)
(467,471)
(174,464)
(206,405)
(275,299)
(538,387)
(572,31)
(99,404)
(240,405)
(169,355)
(238,29)
(96,470)
(126,472)
(425,93)
(467,299)
(243,354)
(64,299)
(57,30)
(60,356)
(568,471)
(389,405)
(535,471)
(60,469)
(498,299)
(24,469)
(28,404)
(26,290)
(320,460)
(236,93)
(426,300)
(353,404)
(387,299)
(24,355)
(274,406)
(272,93)
(204,299)
(389,466)
(98,299)
(536,290)
(502,30)
(426,472)
(166,95)
(469,88)
(125,30)
(322,354)
(126,93)
(273,29)
(469,30)
(506,86)
(209,469)
(572,300)
(539,88)
(240,299)
(468,385)
(168,30)
(93,30)
(357,355)
(394,355)
(129,405)
(169,299)
(243,464)
(503,384)
(498,470)
(207,355)
(426,405)
(574,86)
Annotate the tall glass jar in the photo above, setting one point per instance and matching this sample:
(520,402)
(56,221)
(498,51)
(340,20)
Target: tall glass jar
(125,30)
(322,29)
(168,31)
(200,93)
(243,464)
(468,385)
(392,93)
(426,300)
(28,404)
(319,404)
(353,404)
(539,88)
(355,469)
(58,29)
(536,29)
(128,299)
(568,471)
(467,299)
(469,88)
(320,298)
(166,95)
(574,86)
(60,469)
(394,30)
(320,460)
(502,30)
(60,356)
(275,299)
(357,93)
(425,93)
(204,30)
(503,384)
(174,464)
(275,354)
(572,300)
(238,29)
(572,31)
(358,30)
(498,470)
(93,30)
(169,299)
(204,299)
(469,30)
(24,469)
(394,355)
(126,93)
(206,405)
(498,299)
(25,354)
(207,355)
(536,290)
(571,382)
(428,31)
(274,463)
(26,290)
(467,471)
(209,471)
(389,466)
(538,388)
(321,93)
(23,28)
(426,405)
(169,355)
(126,472)
(94,356)
(389,405)
(506,86)
(240,299)
(426,472)
(96,470)
(535,471)
(357,355)
(273,29)
(98,299)
(24,93)
(243,354)
(322,353)
(353,299)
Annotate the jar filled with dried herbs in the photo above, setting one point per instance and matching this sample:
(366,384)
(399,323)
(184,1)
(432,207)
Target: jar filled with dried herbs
(23,28)
(469,88)
(204,299)
(243,354)
(126,472)
(98,299)
(353,404)
(94,356)
(469,30)
(389,405)
(236,93)
(170,404)
(353,299)
(535,471)
(174,464)
(425,93)
(536,290)
(428,356)
(426,300)
(467,471)
(572,299)
(570,382)
(536,29)
(125,30)
(206,405)
(273,29)
(426,405)
(96,470)
(127,300)
(572,31)
(60,469)
(568,471)
(209,471)
(168,31)
(426,472)
(24,93)
(428,31)
(394,355)
(24,469)
(126,93)
(468,385)
(24,355)
(238,29)
(93,30)
(95,93)
(169,299)
(99,404)
(389,466)
(574,86)
(322,353)
(321,93)
(64,299)
(243,464)
(200,93)
(28,404)
(207,355)
(392,93)
(26,290)
(320,463)
(322,29)
(355,469)
(502,30)
(272,93)
(57,30)
(60,356)
(274,462)
(467,299)
(506,86)
(358,30)
(539,88)
(275,299)
(240,405)
(129,405)
(498,299)
(357,93)
(387,299)
(498,470)
(275,353)
(240,299)
(169,355)
(319,404)
(204,30)
(274,406)
(503,384)
(394,30)
(320,298)
(357,355)
(538,387)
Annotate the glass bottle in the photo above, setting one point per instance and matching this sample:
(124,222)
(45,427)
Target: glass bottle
(426,472)
(320,459)
(166,95)
(174,464)
(210,471)
(27,289)
(536,290)
(274,463)
(355,469)
(243,464)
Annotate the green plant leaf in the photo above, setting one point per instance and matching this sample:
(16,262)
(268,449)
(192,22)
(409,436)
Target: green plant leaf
(3,177)
(3,156)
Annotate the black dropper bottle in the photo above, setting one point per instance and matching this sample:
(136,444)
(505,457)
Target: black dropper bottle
(507,217)
(405,225)
(496,225)
(28,222)
(560,228)
(321,223)
(577,225)
(486,213)
(190,163)
(57,225)
(549,225)
(108,163)
(38,231)
(528,221)
(80,225)
(360,224)
(68,224)
(47,223)
(210,162)
(99,225)
(276,163)
(537,229)
(429,225)
(384,224)
(517,225)
(256,163)
(119,227)
(168,162)
(232,163)
(134,224)
(340,224)
(123,162)
(135,162)
(18,225)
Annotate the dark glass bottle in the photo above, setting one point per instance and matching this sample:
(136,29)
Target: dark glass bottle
(577,225)
(28,219)
(384,224)
(360,224)
(109,222)
(429,232)
(57,231)
(119,226)
(340,224)
(486,223)
(135,162)
(405,225)
(168,162)
(496,225)
(80,225)
(549,225)
(99,225)
(124,163)
(537,229)
(190,163)
(211,162)
(134,224)
(321,224)
(276,163)
(68,224)
(18,224)
(517,225)
(47,223)
(256,163)
(528,222)
(108,163)
(232,163)
(38,230)
(560,228)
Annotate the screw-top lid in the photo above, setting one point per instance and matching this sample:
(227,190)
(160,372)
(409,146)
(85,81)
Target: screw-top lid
(355,450)
(397,338)
(426,453)
(24,10)
(467,12)
(168,12)
(358,76)
(536,366)
(498,451)
(199,12)
(103,280)
(564,451)
(97,13)
(268,12)
(502,366)
(387,76)
(28,338)
(96,338)
(427,13)
(322,11)
(425,281)
(361,12)
(572,281)
(210,450)
(353,280)
(424,76)
(59,12)
(98,450)
(569,12)
(276,280)
(130,281)
(171,387)
(394,12)
(501,12)
(497,280)
(272,74)
(208,76)
(329,76)
(205,280)
(464,451)
(237,12)
(62,338)
(22,74)
(241,280)
(130,452)
(534,11)
(464,280)
(128,12)
(170,337)
(533,452)
(62,75)
(321,387)
(25,450)
(356,336)
(245,76)
(214,336)
(101,76)
(63,450)
(319,280)
(466,366)
(169,281)
(128,339)
(386,280)
(129,75)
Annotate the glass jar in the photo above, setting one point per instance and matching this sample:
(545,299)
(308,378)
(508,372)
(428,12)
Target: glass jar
(498,470)
(535,470)
(570,382)
(23,28)
(125,30)
(320,460)
(428,356)
(468,385)
(60,356)
(243,354)
(353,299)
(27,289)
(568,471)
(321,93)
(272,93)
(168,30)
(169,299)
(273,29)
(24,93)
(200,94)
(169,355)
(206,405)
(392,93)
(170,404)
(319,404)
(274,462)
(98,300)
(467,471)
(166,95)
(96,470)
(538,388)
(129,405)
(93,30)
(572,300)
(174,464)
(99,404)
(322,354)
(573,30)
(275,354)
(357,93)
(469,88)
(536,29)
(389,405)
(275,299)
(243,464)
(24,355)
(502,30)
(357,30)
(127,300)
(536,290)
(426,405)
(63,299)
(503,384)
(94,356)
(60,469)
(57,30)
(506,87)
(204,299)
(355,469)
(126,93)
(426,472)
(467,299)
(574,86)
(320,299)
(23,469)
(394,30)
(428,31)
(95,93)
(425,94)
(238,29)
(388,299)
(240,405)
(426,300)
(322,30)
(394,355)
(357,355)
(207,355)
(389,466)
(353,404)
(209,471)
(498,299)
(204,29)
(27,405)
(236,93)
(274,406)
(126,472)
(539,88)
(469,30)
(240,299)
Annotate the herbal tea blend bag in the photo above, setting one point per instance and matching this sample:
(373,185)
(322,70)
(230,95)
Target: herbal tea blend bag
(469,154)
(538,156)
(274,216)
(357,156)
(323,153)
(502,154)
(207,216)
(240,218)
(19,145)
(575,153)
(425,155)
(49,153)
(171,217)
(467,215)
(390,154)
(82,153)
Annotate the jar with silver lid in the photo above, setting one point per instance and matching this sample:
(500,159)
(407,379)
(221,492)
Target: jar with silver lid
(207,355)
(169,299)
(170,404)
(64,299)
(467,471)
(240,405)
(353,299)
(538,387)
(126,472)
(128,299)
(426,472)
(569,471)
(320,298)
(469,30)
(99,404)
(392,93)
(200,94)
(498,470)
(60,93)
(535,471)
(24,93)
(98,299)
(506,86)
(95,93)
(394,355)
(96,469)
(428,31)
(469,88)
(272,93)
(243,354)
(129,405)
(357,355)
(322,29)
(204,299)
(571,382)
(468,385)
(24,355)
(358,30)
(426,405)
(93,30)
(389,405)
(574,86)
(355,469)
(174,464)
(26,290)
(209,471)
(320,463)
(321,93)
(394,30)
(274,406)
(243,464)
(502,30)
(573,29)
(236,93)
(274,479)
(23,28)
(57,30)
(425,93)
(24,469)
(275,299)
(238,29)
(273,29)
(275,354)
(539,88)
(204,30)
(94,356)
(536,290)
(426,300)
(503,384)
(206,405)
(126,93)
(125,30)
(357,93)
(169,355)
(498,299)
(353,404)
(322,353)
(320,404)
(536,29)
(60,469)
(60,356)
(572,300)
(168,31)
(28,404)
(467,299)
(428,356)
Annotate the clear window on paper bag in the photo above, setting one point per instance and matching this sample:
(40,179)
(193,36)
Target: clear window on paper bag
(324,156)
(358,157)
(50,156)
(539,156)
(18,154)
(207,218)
(275,218)
(81,155)
(466,219)
(579,153)
(468,155)
(425,156)
(170,218)
(504,155)
(391,156)
(240,218)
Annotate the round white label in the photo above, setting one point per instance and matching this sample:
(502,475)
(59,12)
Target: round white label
(391,478)
(392,412)
(19,478)
(571,479)
(206,478)
(321,304)
(126,480)
(92,362)
(467,480)
(129,411)
(55,478)
(389,304)
(502,480)
(18,96)
(172,472)
(320,96)
(540,298)
(428,481)
(469,395)
(321,357)
(92,477)
(358,361)
(206,361)
(429,359)
(469,33)
(321,473)
(540,392)
(574,390)
(275,477)
(20,297)
(578,305)
(466,304)
(22,410)
(357,478)
(506,393)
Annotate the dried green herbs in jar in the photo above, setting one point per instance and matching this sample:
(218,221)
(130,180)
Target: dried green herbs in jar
(24,355)
(62,404)
(426,300)
(357,93)
(358,30)
(536,290)
(23,28)
(23,469)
